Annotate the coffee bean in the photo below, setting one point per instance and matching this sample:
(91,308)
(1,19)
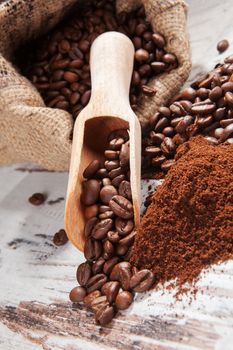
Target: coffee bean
(108,250)
(159,40)
(85,97)
(189,94)
(119,133)
(111,155)
(124,154)
(37,199)
(212,140)
(183,124)
(125,190)
(141,55)
(83,273)
(161,124)
(111,164)
(77,294)
(106,193)
(167,146)
(102,173)
(111,289)
(101,228)
(226,122)
(106,215)
(99,303)
(158,67)
(124,300)
(113,236)
(215,93)
(104,315)
(220,113)
(168,131)
(157,138)
(227,86)
(229,98)
(91,169)
(88,300)
(121,207)
(60,238)
(148,90)
(228,131)
(142,281)
(166,166)
(222,45)
(97,266)
(96,282)
(204,107)
(91,211)
(128,240)
(116,181)
(116,144)
(152,151)
(122,272)
(90,192)
(157,161)
(89,226)
(108,266)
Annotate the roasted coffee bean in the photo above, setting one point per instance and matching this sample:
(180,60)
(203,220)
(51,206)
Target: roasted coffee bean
(88,300)
(157,161)
(218,133)
(116,144)
(141,55)
(222,45)
(96,282)
(215,93)
(90,192)
(91,169)
(228,131)
(106,193)
(165,111)
(119,133)
(183,124)
(128,240)
(204,107)
(124,300)
(97,266)
(167,146)
(124,227)
(226,122)
(102,173)
(159,40)
(125,190)
(117,180)
(121,250)
(204,121)
(111,164)
(227,86)
(108,266)
(92,249)
(152,151)
(229,98)
(161,124)
(121,207)
(111,155)
(60,238)
(148,90)
(77,294)
(113,236)
(158,67)
(122,272)
(157,138)
(108,250)
(91,211)
(101,228)
(106,181)
(115,172)
(37,199)
(90,224)
(212,140)
(124,155)
(83,273)
(154,119)
(104,315)
(106,215)
(168,131)
(230,140)
(142,281)
(111,289)
(220,113)
(188,94)
(99,303)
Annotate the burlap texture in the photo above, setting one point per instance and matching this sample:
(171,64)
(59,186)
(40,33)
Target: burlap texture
(29,131)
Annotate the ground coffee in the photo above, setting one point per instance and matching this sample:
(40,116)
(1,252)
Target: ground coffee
(189,224)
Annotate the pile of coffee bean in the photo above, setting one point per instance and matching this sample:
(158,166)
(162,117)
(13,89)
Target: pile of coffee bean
(107,281)
(206,107)
(58,64)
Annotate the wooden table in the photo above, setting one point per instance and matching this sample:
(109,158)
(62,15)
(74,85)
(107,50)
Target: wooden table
(36,276)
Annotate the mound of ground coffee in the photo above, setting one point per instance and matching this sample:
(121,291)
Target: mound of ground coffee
(189,224)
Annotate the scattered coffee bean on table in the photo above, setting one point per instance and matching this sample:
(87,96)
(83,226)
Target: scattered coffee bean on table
(37,199)
(222,45)
(206,107)
(58,64)
(107,279)
(60,238)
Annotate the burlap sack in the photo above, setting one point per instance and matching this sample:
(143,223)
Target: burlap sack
(29,131)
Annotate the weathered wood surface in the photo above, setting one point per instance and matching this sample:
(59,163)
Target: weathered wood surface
(35,276)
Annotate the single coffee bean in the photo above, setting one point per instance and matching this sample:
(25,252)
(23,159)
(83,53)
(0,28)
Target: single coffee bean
(89,226)
(99,303)
(128,240)
(168,131)
(106,181)
(159,40)
(121,250)
(152,151)
(141,55)
(108,250)
(96,282)
(111,289)
(142,281)
(102,173)
(204,107)
(161,124)
(218,133)
(117,180)
(115,144)
(119,133)
(148,90)
(157,138)
(91,169)
(37,199)
(91,211)
(229,98)
(91,297)
(77,294)
(124,154)
(188,94)
(122,272)
(108,266)
(106,193)
(124,300)
(166,166)
(222,45)
(104,315)
(101,228)
(183,124)
(71,77)
(60,238)
(85,97)
(98,265)
(227,86)
(204,121)
(83,273)
(215,93)
(167,146)
(111,155)
(226,122)
(158,67)
(230,140)
(124,227)
(121,207)
(115,172)
(90,192)
(125,190)
(228,131)
(113,236)
(212,140)
(111,164)
(106,215)
(157,161)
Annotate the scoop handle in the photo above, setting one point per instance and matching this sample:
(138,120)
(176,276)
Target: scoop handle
(111,65)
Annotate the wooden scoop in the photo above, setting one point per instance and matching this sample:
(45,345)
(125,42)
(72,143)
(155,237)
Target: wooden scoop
(111,63)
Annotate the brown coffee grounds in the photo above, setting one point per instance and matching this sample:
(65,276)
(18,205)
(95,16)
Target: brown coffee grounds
(189,224)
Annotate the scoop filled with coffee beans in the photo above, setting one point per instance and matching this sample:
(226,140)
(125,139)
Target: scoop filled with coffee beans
(100,154)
